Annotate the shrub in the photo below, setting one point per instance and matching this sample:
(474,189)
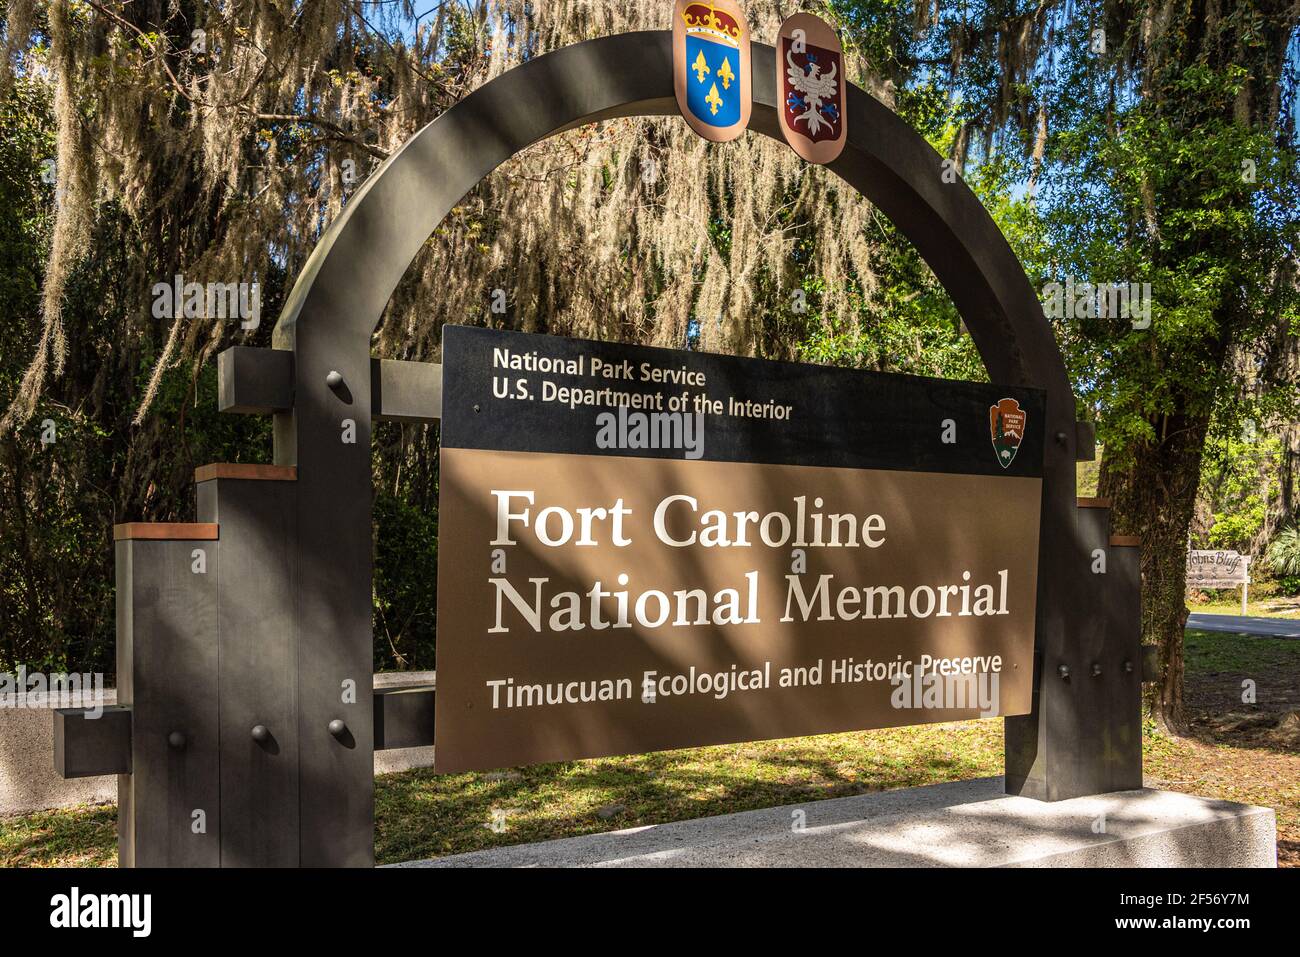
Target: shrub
(1284,553)
(1288,585)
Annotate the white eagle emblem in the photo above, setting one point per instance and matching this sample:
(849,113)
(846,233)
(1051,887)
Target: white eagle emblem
(815,89)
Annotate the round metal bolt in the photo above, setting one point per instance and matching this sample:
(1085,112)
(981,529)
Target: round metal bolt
(1060,437)
(1128,667)
(334,379)
(1063,671)
(260,733)
(337,727)
(176,740)
(476,408)
(1096,670)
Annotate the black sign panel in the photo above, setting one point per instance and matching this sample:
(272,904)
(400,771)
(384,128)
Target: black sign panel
(513,391)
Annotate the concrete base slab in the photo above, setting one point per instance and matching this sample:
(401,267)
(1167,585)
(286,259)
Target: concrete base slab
(28,781)
(961,824)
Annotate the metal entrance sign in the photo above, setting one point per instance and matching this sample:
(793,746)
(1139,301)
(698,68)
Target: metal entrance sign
(643,549)
(247,720)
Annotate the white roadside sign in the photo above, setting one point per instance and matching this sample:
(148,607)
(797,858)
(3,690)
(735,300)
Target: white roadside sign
(1219,568)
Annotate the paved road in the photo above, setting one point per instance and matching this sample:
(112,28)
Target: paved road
(1244,625)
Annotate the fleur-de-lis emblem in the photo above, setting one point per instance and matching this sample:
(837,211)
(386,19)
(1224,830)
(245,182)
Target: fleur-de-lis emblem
(701,68)
(725,74)
(713,99)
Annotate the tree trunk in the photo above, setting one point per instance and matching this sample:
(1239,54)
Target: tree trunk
(1153,495)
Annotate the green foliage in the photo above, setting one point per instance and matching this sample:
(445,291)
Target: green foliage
(906,321)
(405,583)
(1239,479)
(59,499)
(1129,183)
(1284,558)
(1155,192)
(406,546)
(1288,585)
(35,626)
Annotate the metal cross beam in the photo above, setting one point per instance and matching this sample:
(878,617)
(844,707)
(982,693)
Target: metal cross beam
(255,381)
(90,743)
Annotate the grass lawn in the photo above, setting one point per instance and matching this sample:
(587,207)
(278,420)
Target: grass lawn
(1228,602)
(419,814)
(1208,654)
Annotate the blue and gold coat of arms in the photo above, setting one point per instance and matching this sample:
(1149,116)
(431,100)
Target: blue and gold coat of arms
(711,68)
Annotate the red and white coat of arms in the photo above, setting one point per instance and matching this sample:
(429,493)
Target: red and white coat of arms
(810,76)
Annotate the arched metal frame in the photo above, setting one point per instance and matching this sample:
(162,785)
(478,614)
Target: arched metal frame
(333,310)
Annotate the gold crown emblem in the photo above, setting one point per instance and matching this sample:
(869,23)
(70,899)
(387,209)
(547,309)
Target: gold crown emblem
(706,17)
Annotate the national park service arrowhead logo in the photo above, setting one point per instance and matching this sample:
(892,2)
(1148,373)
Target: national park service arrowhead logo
(810,87)
(711,70)
(1007,426)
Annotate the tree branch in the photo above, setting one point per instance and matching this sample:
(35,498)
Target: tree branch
(337,131)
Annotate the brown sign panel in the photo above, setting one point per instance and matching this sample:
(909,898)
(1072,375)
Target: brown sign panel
(712,76)
(612,598)
(813,108)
